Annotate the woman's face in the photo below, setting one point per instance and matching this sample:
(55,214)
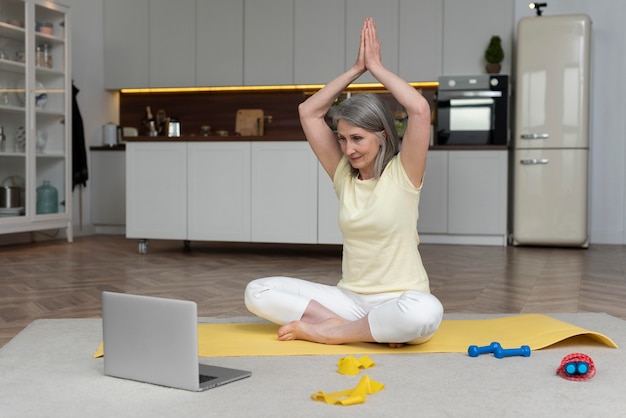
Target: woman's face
(359,146)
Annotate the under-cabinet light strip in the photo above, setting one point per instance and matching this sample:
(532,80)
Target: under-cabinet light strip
(274,88)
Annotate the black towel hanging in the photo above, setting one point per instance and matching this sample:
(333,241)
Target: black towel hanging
(80,172)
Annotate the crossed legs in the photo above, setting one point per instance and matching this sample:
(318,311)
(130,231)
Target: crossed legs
(396,318)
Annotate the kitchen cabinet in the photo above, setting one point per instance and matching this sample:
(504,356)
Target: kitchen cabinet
(156,190)
(245,42)
(172,43)
(385,15)
(188,191)
(284,192)
(35,104)
(328,231)
(420,38)
(319,54)
(108,178)
(159,43)
(126,43)
(219,43)
(221,191)
(218,187)
(477,195)
(464,198)
(411,32)
(268,40)
(276,192)
(433,216)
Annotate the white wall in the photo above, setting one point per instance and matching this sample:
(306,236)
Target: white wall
(608,112)
(608,118)
(97,106)
(471,37)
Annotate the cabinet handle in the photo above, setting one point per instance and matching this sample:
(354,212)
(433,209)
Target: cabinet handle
(535,136)
(533,161)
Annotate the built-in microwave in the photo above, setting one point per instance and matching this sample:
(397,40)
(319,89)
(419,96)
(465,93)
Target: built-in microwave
(473,110)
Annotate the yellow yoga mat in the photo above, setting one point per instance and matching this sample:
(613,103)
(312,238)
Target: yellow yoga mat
(454,336)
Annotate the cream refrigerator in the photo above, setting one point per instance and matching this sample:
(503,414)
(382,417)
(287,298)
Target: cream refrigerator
(551,134)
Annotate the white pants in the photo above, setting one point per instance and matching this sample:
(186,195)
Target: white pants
(400,317)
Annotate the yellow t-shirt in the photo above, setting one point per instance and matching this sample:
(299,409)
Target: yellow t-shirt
(378,219)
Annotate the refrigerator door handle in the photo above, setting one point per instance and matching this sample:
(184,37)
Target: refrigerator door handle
(533,161)
(535,136)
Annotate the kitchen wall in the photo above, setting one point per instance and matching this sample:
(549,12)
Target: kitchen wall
(97,105)
(608,142)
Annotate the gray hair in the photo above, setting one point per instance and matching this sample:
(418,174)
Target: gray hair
(367,111)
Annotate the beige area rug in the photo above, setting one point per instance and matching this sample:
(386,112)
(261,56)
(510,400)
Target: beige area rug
(48,370)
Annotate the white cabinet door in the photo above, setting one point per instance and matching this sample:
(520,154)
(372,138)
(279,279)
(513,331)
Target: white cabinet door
(420,40)
(126,43)
(385,14)
(284,192)
(219,43)
(108,181)
(268,42)
(219,191)
(327,210)
(156,190)
(433,208)
(319,55)
(172,43)
(477,195)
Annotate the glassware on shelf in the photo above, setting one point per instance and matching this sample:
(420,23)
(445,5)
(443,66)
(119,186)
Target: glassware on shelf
(47,198)
(43,56)
(42,140)
(41,97)
(20,139)
(4,96)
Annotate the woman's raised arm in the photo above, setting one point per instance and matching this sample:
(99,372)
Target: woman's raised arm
(416,137)
(312,112)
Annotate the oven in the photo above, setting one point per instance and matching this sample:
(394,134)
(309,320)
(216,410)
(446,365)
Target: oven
(473,110)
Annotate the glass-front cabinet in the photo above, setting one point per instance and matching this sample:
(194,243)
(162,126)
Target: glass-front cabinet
(35,117)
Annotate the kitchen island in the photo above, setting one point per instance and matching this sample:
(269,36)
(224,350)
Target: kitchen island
(228,190)
(271,189)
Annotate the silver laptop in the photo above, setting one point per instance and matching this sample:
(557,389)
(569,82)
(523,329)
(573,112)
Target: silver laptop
(155,340)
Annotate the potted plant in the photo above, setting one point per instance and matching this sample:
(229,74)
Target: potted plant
(494,54)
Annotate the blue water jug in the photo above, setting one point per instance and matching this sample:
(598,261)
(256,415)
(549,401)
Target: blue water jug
(47,198)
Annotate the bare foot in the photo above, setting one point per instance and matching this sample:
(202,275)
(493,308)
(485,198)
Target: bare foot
(396,345)
(326,332)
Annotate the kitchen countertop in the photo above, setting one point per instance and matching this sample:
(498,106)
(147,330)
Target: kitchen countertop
(215,138)
(267,138)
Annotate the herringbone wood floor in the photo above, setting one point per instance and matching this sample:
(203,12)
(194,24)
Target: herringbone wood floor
(55,279)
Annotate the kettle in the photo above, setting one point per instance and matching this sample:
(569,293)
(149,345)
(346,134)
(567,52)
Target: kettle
(111,134)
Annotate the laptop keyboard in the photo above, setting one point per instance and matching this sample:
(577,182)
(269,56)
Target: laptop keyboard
(205,378)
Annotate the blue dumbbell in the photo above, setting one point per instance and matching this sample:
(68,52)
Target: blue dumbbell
(582,367)
(509,352)
(475,351)
(577,367)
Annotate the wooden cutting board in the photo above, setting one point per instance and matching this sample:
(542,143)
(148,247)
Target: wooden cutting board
(249,122)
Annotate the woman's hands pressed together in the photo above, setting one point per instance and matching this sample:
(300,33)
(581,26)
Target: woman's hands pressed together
(371,45)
